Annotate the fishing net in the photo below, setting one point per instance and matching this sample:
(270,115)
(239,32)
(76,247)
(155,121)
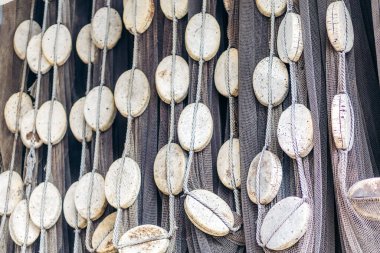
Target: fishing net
(335,225)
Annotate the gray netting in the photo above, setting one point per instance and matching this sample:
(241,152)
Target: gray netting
(335,226)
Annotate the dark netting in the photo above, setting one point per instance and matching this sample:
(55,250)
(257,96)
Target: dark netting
(254,32)
(357,233)
(335,227)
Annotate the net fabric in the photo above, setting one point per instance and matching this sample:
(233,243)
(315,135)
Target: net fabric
(253,47)
(315,68)
(357,234)
(146,146)
(375,4)
(203,175)
(163,128)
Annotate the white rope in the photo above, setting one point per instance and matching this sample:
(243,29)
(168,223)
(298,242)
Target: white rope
(117,228)
(192,141)
(82,169)
(172,101)
(197,101)
(169,167)
(268,130)
(294,88)
(232,109)
(97,135)
(342,89)
(301,173)
(172,223)
(31,157)
(43,242)
(16,136)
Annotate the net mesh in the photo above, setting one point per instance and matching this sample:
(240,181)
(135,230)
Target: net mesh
(357,233)
(253,38)
(317,78)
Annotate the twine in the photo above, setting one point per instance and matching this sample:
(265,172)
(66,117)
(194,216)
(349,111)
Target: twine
(169,167)
(172,108)
(299,162)
(293,80)
(268,130)
(342,89)
(294,95)
(232,109)
(172,223)
(197,101)
(16,137)
(97,135)
(186,190)
(31,157)
(302,177)
(116,232)
(16,134)
(43,242)
(82,169)
(294,89)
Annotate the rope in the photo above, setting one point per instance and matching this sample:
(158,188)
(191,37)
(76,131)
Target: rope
(172,223)
(169,169)
(232,109)
(268,130)
(116,233)
(197,101)
(294,88)
(342,73)
(192,141)
(31,157)
(302,177)
(97,135)
(43,242)
(82,169)
(293,80)
(342,89)
(289,6)
(16,135)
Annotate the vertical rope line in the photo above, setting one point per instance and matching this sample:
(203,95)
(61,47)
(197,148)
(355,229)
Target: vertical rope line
(294,90)
(197,100)
(192,141)
(130,118)
(30,159)
(169,167)
(82,169)
(342,88)
(302,177)
(268,130)
(97,135)
(43,241)
(304,189)
(116,234)
(231,106)
(289,6)
(342,165)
